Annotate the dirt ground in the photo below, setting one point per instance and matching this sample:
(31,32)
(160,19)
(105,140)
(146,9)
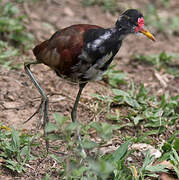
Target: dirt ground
(19,98)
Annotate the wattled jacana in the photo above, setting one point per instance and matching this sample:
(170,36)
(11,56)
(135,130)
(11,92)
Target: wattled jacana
(82,53)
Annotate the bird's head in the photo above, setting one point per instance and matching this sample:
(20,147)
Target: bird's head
(132,21)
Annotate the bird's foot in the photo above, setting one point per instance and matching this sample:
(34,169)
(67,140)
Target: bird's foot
(43,110)
(43,114)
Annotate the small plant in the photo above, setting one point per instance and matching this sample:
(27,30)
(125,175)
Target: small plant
(12,25)
(95,164)
(150,170)
(13,33)
(170,152)
(15,148)
(114,77)
(174,159)
(6,53)
(163,60)
(154,113)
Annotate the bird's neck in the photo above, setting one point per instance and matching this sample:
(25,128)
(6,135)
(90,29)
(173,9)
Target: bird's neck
(119,33)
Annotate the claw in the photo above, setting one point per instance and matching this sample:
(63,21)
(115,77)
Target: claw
(37,111)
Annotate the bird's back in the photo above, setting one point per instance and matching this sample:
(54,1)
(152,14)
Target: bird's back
(61,52)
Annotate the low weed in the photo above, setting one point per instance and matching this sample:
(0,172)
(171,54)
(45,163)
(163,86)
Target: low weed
(105,152)
(114,77)
(161,61)
(94,163)
(13,33)
(12,25)
(6,54)
(154,114)
(15,148)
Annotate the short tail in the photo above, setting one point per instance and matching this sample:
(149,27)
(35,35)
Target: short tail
(39,48)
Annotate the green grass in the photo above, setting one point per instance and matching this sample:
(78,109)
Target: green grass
(151,111)
(114,77)
(144,111)
(13,33)
(152,114)
(15,148)
(148,115)
(7,53)
(161,61)
(12,25)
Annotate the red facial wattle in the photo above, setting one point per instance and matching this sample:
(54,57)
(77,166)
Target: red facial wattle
(140,23)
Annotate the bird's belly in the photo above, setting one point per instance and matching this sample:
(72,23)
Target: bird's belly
(85,70)
(93,74)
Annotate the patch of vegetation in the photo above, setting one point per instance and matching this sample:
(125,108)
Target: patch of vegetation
(12,25)
(161,61)
(7,53)
(97,159)
(106,5)
(114,77)
(94,162)
(15,148)
(13,33)
(154,114)
(151,111)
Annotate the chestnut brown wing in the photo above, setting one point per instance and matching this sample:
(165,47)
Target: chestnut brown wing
(61,51)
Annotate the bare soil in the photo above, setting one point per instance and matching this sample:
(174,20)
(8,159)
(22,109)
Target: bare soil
(19,99)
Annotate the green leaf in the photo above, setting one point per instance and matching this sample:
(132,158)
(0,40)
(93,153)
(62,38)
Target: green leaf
(102,98)
(89,144)
(15,140)
(51,127)
(8,54)
(176,144)
(96,125)
(72,126)
(137,119)
(132,102)
(156,168)
(119,92)
(120,152)
(60,119)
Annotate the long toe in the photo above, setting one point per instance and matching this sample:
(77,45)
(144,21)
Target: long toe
(36,112)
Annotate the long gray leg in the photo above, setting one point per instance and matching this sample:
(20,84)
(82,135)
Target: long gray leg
(75,106)
(43,108)
(74,114)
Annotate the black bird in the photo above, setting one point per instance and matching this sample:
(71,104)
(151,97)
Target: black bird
(82,53)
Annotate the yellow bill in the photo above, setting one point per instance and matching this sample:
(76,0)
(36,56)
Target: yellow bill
(148,34)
